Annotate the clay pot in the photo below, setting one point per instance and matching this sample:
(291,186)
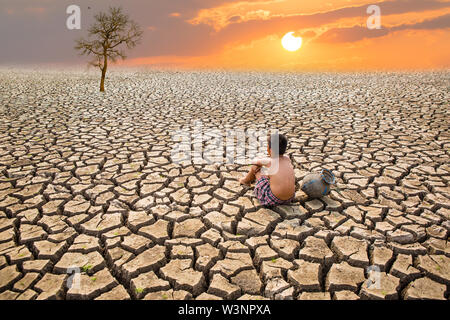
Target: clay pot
(318,184)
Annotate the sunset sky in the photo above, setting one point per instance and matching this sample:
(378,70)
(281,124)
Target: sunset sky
(415,34)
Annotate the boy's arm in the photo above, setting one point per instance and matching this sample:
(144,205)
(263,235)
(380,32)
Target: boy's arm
(262,162)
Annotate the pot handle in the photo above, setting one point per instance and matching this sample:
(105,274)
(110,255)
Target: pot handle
(327,179)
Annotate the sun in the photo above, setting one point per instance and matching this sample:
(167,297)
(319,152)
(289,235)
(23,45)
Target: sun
(291,43)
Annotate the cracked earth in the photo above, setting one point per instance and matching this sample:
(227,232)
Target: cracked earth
(87,181)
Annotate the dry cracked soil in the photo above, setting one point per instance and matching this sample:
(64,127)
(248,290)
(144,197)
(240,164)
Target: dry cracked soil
(92,205)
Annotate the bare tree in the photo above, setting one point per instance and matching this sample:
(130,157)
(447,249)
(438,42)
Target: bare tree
(111,33)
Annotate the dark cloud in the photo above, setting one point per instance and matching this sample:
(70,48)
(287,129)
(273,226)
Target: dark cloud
(357,33)
(234,19)
(441,22)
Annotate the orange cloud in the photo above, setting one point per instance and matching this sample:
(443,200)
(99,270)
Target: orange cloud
(358,24)
(243,11)
(357,33)
(234,12)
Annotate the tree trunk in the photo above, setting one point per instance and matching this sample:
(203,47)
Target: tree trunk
(102,81)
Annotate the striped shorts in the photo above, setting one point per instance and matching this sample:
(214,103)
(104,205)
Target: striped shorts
(264,194)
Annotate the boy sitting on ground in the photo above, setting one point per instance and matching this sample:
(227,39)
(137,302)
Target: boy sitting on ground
(275,187)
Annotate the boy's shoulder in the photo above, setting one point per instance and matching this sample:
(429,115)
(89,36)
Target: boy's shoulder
(287,158)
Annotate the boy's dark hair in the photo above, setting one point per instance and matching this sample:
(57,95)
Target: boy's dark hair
(282,142)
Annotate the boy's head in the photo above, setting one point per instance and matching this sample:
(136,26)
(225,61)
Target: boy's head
(282,142)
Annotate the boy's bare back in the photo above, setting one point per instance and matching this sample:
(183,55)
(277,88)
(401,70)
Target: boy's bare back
(282,183)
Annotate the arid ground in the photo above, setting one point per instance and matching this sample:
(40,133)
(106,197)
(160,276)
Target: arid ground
(93,207)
